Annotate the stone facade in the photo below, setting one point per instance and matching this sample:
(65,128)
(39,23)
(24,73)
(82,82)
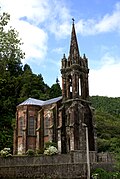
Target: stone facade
(63,119)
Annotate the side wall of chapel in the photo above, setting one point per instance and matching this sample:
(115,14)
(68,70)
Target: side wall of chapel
(35,126)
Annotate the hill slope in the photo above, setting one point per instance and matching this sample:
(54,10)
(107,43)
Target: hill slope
(107,115)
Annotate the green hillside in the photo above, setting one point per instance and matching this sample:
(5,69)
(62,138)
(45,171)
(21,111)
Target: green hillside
(107,116)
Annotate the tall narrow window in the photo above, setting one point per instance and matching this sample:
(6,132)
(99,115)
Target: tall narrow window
(71,90)
(75,83)
(70,83)
(31,126)
(80,87)
(20,126)
(46,125)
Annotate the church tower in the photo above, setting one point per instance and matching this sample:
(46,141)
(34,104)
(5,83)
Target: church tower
(75,112)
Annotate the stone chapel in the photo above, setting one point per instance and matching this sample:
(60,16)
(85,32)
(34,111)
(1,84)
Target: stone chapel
(61,120)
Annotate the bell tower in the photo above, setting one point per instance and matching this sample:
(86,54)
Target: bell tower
(74,72)
(76,110)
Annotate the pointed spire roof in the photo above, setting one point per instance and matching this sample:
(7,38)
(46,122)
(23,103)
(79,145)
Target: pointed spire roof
(74,50)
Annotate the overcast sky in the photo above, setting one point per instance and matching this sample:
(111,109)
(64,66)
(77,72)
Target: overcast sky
(45,28)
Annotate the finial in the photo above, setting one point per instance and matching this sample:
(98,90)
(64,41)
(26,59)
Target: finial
(84,56)
(64,55)
(57,81)
(73,20)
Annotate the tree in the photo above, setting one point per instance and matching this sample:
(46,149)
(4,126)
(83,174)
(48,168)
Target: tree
(27,68)
(10,70)
(55,90)
(10,52)
(33,86)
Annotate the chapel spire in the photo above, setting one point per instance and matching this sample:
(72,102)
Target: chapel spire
(74,50)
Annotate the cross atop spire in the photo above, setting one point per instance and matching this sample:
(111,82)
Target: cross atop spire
(74,50)
(73,20)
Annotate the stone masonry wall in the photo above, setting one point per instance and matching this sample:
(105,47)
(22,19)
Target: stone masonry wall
(71,165)
(45,171)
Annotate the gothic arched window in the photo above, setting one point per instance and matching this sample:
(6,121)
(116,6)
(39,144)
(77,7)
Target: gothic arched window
(20,126)
(31,126)
(46,125)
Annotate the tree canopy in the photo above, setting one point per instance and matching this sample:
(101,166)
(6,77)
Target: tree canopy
(10,69)
(107,115)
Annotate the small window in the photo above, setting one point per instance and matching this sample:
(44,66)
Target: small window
(31,126)
(20,126)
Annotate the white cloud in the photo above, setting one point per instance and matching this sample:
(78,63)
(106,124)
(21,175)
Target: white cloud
(25,17)
(60,30)
(108,23)
(105,81)
(58,50)
(86,27)
(59,23)
(35,41)
(35,11)
(33,19)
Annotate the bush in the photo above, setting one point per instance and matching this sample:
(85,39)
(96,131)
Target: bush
(51,150)
(39,151)
(5,152)
(30,152)
(100,173)
(50,143)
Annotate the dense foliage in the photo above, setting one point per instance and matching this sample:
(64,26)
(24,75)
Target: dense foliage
(107,116)
(10,70)
(100,173)
(107,105)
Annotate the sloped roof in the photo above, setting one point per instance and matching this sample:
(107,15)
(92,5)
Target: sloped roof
(53,100)
(32,101)
(37,102)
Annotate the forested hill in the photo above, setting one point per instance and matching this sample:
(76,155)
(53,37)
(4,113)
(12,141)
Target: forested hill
(107,117)
(107,105)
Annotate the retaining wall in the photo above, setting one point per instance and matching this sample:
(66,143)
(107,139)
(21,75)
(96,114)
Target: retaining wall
(71,165)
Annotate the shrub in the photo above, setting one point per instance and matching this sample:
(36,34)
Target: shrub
(51,150)
(39,151)
(100,173)
(5,152)
(50,143)
(30,152)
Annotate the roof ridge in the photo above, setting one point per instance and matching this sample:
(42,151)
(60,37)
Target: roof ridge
(38,102)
